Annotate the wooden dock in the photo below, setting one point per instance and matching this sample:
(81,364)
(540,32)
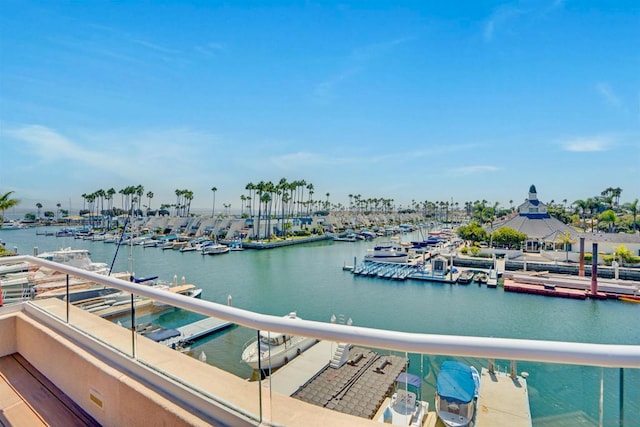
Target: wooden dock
(527,288)
(502,401)
(202,328)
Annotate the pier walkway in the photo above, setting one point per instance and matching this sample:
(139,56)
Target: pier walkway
(202,328)
(297,372)
(502,401)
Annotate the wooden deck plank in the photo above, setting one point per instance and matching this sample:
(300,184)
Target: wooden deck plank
(28,398)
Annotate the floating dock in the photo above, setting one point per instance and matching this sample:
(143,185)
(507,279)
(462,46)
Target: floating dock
(606,287)
(281,243)
(359,387)
(503,400)
(552,291)
(202,328)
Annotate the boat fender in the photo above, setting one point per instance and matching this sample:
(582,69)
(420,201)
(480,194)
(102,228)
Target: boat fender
(299,352)
(286,360)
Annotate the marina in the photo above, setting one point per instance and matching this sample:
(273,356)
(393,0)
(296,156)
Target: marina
(375,303)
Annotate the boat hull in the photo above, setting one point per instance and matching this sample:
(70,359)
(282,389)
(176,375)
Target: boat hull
(278,356)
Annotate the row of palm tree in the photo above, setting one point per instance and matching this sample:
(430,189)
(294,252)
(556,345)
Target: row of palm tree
(286,199)
(604,208)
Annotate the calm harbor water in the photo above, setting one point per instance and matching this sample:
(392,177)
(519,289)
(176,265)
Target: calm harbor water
(309,279)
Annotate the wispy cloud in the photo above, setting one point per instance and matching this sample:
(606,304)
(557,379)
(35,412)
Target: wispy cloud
(50,146)
(211,49)
(598,143)
(155,47)
(608,94)
(324,90)
(472,170)
(303,160)
(499,19)
(358,60)
(376,50)
(165,150)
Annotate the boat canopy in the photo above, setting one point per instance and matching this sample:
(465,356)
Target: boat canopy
(455,382)
(142,279)
(409,379)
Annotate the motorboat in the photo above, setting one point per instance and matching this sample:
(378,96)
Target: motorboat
(215,249)
(405,407)
(456,392)
(274,349)
(347,237)
(481,277)
(630,298)
(79,258)
(388,252)
(12,225)
(465,277)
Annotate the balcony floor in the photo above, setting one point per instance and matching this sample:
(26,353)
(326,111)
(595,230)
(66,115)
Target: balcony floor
(28,398)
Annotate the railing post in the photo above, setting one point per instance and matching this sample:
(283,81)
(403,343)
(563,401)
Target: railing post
(621,403)
(259,377)
(133,326)
(68,298)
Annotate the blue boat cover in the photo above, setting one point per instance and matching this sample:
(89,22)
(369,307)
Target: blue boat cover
(455,382)
(410,379)
(163,334)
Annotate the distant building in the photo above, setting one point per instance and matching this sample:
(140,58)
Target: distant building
(542,230)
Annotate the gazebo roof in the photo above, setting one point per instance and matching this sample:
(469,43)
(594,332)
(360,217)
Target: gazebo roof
(541,226)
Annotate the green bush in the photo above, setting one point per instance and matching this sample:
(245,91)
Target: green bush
(464,250)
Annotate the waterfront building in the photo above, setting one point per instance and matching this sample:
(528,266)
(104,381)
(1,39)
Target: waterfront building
(546,233)
(532,219)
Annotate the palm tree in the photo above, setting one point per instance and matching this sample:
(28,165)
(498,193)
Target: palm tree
(6,202)
(243,199)
(149,196)
(581,207)
(616,192)
(608,216)
(633,208)
(213,209)
(259,190)
(567,241)
(39,206)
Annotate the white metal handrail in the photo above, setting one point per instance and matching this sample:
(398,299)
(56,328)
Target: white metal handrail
(604,355)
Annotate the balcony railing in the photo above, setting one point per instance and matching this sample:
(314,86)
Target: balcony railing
(569,353)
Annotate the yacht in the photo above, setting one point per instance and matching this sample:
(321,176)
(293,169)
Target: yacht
(388,252)
(275,349)
(215,249)
(79,258)
(456,392)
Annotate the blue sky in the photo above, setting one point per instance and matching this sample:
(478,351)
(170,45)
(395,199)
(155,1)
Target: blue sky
(404,100)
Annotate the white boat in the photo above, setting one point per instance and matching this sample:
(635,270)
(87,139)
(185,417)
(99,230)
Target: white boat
(388,252)
(456,393)
(350,237)
(275,349)
(79,258)
(12,225)
(405,407)
(215,249)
